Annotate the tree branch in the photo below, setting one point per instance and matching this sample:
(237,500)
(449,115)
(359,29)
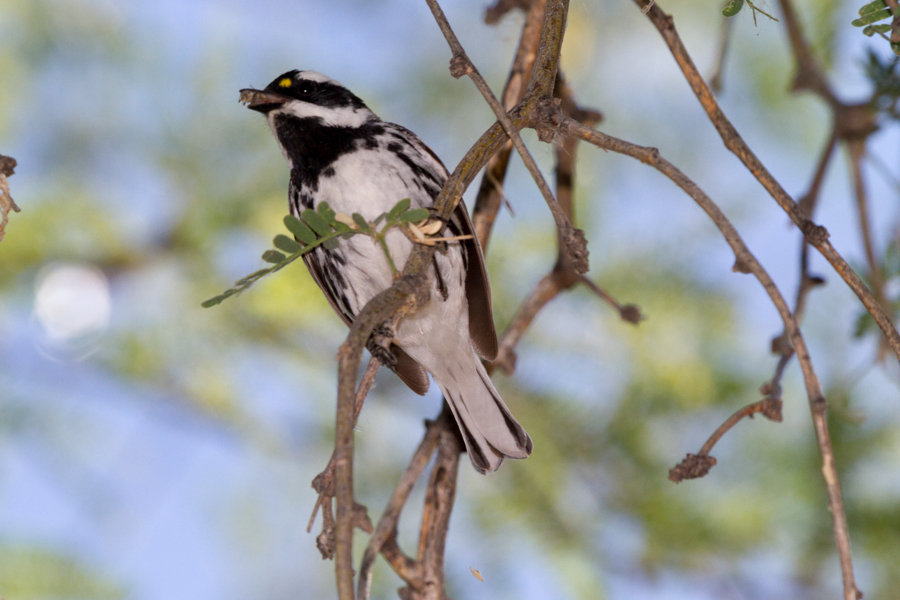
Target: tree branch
(460,64)
(815,234)
(698,465)
(745,262)
(409,292)
(487,203)
(387,525)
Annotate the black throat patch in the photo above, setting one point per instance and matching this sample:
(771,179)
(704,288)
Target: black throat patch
(313,146)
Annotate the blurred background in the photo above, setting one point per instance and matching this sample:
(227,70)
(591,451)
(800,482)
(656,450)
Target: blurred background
(151,449)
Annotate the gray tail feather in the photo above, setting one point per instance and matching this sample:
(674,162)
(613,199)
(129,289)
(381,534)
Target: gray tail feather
(489,430)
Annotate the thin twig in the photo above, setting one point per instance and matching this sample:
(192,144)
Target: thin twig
(807,282)
(461,65)
(698,465)
(747,263)
(562,277)
(323,483)
(809,74)
(439,497)
(809,200)
(487,203)
(817,235)
(546,290)
(387,524)
(857,150)
(629,313)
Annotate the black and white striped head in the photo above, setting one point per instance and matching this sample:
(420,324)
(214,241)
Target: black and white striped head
(309,95)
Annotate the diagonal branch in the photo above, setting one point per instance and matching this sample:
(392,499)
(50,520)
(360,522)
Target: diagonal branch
(490,194)
(746,262)
(815,234)
(562,277)
(387,525)
(575,245)
(698,465)
(856,149)
(809,74)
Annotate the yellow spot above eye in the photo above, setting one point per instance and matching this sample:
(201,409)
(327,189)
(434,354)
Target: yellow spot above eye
(286,82)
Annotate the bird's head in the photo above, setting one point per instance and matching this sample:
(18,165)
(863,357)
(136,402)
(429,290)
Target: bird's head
(308,95)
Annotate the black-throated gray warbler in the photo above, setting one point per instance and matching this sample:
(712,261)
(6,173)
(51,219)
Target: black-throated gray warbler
(340,152)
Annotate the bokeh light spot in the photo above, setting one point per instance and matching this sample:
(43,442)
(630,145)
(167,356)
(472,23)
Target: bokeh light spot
(72,301)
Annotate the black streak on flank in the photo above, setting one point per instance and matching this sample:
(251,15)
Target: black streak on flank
(442,287)
(417,169)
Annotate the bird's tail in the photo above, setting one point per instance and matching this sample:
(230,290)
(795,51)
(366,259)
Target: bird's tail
(489,430)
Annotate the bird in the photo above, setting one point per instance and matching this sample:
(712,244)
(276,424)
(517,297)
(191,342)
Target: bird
(339,151)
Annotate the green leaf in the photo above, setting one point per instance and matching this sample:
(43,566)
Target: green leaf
(872,7)
(213,301)
(733,8)
(400,207)
(379,218)
(415,215)
(330,243)
(286,244)
(218,299)
(340,227)
(326,212)
(361,222)
(273,256)
(299,229)
(315,220)
(871,30)
(871,17)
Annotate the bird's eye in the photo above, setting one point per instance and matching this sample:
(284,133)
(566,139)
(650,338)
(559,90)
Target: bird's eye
(306,88)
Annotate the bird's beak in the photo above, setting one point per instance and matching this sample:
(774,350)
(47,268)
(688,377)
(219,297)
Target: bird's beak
(262,101)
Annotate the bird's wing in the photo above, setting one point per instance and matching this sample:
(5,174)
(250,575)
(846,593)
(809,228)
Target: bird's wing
(408,370)
(478,286)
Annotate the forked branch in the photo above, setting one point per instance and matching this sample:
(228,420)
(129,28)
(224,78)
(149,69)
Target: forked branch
(816,235)
(746,262)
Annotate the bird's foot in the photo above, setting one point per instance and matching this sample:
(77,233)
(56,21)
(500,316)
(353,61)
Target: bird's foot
(379,345)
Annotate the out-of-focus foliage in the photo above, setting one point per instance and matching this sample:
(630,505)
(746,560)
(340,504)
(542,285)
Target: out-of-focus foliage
(34,574)
(172,447)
